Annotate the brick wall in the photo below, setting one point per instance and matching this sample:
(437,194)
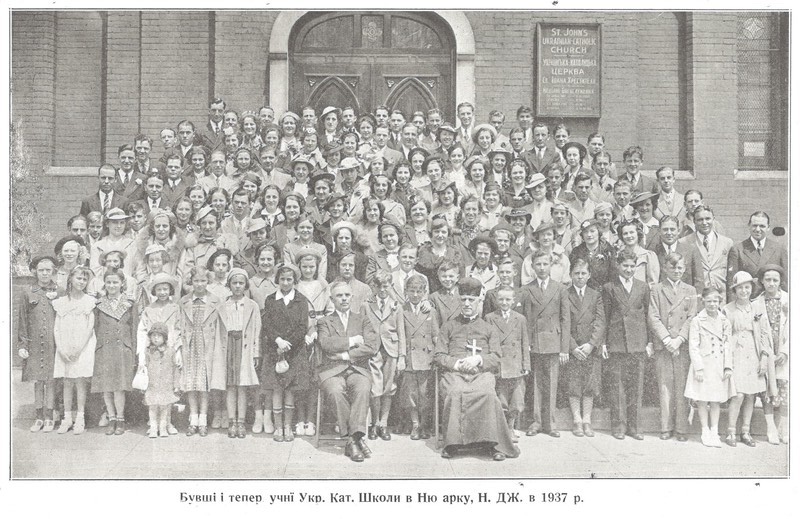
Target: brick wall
(123,98)
(33,54)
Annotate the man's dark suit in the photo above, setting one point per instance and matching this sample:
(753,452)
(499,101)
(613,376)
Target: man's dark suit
(174,194)
(548,324)
(347,383)
(163,203)
(211,140)
(133,189)
(626,338)
(93,203)
(643,185)
(538,165)
(743,256)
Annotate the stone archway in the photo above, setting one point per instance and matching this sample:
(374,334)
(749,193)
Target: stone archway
(279,80)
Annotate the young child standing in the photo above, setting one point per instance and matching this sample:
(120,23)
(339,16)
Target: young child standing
(710,380)
(386,316)
(203,356)
(36,343)
(446,300)
(285,341)
(75,344)
(673,304)
(242,320)
(506,276)
(587,333)
(421,330)
(115,358)
(515,359)
(163,375)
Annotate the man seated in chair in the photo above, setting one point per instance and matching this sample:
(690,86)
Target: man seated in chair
(468,353)
(348,340)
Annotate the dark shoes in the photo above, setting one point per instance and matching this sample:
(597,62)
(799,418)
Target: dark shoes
(447,453)
(553,434)
(730,439)
(681,437)
(191,430)
(232,430)
(415,434)
(371,433)
(383,432)
(111,427)
(498,456)
(202,430)
(424,433)
(533,430)
(353,451)
(365,450)
(748,440)
(241,432)
(666,435)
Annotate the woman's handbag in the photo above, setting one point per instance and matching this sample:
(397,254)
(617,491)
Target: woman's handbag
(141,380)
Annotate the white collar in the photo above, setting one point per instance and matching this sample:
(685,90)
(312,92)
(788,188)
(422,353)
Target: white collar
(286,298)
(756,242)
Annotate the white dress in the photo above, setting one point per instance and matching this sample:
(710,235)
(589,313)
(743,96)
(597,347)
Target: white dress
(74,332)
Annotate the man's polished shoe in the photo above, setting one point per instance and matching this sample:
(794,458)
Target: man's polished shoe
(666,435)
(446,454)
(681,437)
(587,430)
(619,435)
(232,430)
(371,433)
(383,432)
(748,440)
(532,431)
(424,433)
(353,451)
(730,439)
(498,456)
(636,436)
(365,450)
(577,430)
(415,432)
(553,434)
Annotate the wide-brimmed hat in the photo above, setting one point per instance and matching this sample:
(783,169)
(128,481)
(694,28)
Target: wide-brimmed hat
(332,148)
(446,127)
(479,128)
(482,238)
(740,278)
(498,148)
(517,213)
(116,214)
(301,159)
(535,180)
(160,278)
(770,267)
(643,196)
(330,109)
(65,239)
(34,264)
(256,224)
(344,224)
(205,211)
(580,147)
(349,163)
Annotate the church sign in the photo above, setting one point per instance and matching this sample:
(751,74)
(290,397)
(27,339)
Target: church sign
(568,70)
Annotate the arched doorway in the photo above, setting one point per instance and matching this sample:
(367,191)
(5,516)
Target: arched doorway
(402,60)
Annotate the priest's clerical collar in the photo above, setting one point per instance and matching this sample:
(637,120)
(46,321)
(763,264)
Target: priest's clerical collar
(469,318)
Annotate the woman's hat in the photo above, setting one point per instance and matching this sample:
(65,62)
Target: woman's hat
(160,329)
(160,278)
(641,197)
(307,253)
(771,267)
(485,126)
(330,109)
(301,159)
(332,148)
(740,278)
(349,163)
(472,159)
(333,198)
(291,115)
(603,206)
(287,266)
(344,224)
(445,127)
(256,224)
(473,245)
(34,264)
(498,148)
(577,145)
(153,248)
(217,253)
(518,213)
(536,179)
(252,177)
(236,271)
(205,211)
(444,187)
(65,239)
(162,212)
(116,214)
(390,222)
(322,176)
(586,224)
(546,226)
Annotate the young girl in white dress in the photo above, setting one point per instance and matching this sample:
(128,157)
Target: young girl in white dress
(75,345)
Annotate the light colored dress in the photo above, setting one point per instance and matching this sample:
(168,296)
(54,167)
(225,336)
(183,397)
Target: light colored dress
(749,336)
(74,333)
(709,350)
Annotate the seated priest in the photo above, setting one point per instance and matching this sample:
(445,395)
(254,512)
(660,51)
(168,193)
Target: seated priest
(347,340)
(468,352)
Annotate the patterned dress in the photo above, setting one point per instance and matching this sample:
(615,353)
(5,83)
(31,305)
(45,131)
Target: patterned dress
(195,373)
(774,315)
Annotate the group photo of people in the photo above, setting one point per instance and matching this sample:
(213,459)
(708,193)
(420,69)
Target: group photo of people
(391,273)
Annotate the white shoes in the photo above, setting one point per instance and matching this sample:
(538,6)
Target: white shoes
(103,420)
(37,425)
(258,422)
(310,429)
(772,434)
(80,425)
(713,438)
(66,424)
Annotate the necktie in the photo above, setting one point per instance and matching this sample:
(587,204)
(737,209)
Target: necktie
(705,242)
(106,203)
(541,153)
(124,179)
(760,248)
(383,305)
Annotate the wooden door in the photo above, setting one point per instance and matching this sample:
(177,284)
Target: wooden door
(363,60)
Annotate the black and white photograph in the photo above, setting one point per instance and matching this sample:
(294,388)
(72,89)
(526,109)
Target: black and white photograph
(534,243)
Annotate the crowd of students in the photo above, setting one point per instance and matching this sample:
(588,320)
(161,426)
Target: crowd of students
(216,270)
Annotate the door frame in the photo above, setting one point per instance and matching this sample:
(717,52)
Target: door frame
(279,74)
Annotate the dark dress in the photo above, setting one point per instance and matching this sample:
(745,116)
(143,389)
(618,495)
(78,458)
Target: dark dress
(35,331)
(289,322)
(602,263)
(114,358)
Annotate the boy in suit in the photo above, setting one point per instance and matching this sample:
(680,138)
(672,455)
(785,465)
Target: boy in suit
(587,332)
(386,316)
(670,202)
(506,274)
(446,301)
(633,157)
(407,256)
(511,328)
(673,304)
(422,330)
(626,301)
(546,305)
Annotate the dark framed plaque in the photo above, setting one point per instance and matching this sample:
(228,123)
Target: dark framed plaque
(568,70)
